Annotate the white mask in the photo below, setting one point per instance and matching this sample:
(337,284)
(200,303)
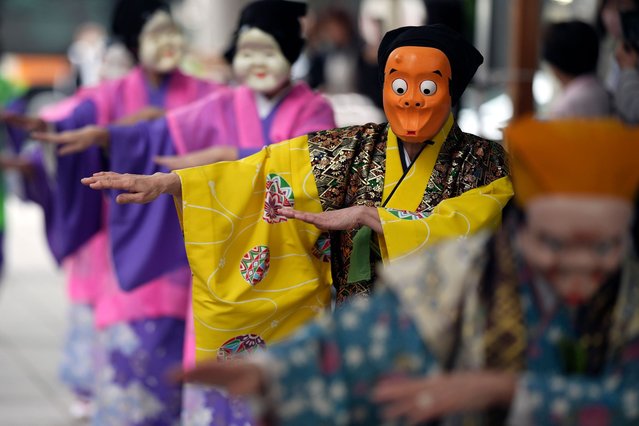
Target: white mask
(161,43)
(259,62)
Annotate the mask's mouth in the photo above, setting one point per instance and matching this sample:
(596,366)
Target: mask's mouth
(411,133)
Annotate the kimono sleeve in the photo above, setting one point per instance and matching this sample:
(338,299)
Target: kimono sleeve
(257,276)
(408,232)
(327,372)
(149,233)
(76,211)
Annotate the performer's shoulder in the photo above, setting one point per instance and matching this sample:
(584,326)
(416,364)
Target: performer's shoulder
(350,132)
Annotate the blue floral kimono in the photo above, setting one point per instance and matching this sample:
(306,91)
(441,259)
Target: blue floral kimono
(428,316)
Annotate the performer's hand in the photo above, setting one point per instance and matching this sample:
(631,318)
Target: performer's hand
(339,220)
(29,124)
(239,377)
(419,400)
(148,113)
(198,158)
(139,189)
(627,57)
(75,141)
(18,164)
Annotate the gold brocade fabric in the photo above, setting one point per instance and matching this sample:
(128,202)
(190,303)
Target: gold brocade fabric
(505,337)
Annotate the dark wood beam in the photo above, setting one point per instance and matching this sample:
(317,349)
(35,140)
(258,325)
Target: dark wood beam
(525,29)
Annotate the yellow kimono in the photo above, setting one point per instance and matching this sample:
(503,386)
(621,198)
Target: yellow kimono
(258,276)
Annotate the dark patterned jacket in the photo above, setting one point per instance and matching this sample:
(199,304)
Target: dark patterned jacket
(349,165)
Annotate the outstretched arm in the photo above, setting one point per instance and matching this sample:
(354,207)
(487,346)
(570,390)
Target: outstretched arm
(201,157)
(26,123)
(19,164)
(74,141)
(139,189)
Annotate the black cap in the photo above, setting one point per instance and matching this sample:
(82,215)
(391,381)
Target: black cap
(279,18)
(572,47)
(129,17)
(464,58)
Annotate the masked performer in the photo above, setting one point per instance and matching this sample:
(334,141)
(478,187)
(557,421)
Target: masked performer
(383,191)
(536,325)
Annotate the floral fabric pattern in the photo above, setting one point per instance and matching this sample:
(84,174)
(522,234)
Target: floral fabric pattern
(207,406)
(278,194)
(77,367)
(326,373)
(132,364)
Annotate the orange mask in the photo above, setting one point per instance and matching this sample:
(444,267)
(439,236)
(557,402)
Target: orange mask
(417,98)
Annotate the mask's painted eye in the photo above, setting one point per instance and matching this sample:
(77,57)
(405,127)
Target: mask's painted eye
(428,87)
(399,86)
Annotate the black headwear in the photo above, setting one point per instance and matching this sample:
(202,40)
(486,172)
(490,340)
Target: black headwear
(572,47)
(129,17)
(279,18)
(463,57)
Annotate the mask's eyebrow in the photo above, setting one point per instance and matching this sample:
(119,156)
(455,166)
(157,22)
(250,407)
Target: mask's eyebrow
(438,72)
(392,70)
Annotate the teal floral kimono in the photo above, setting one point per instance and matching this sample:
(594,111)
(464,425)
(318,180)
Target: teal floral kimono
(427,317)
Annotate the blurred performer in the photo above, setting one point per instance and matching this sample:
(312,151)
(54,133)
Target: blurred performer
(536,325)
(572,50)
(140,333)
(382,191)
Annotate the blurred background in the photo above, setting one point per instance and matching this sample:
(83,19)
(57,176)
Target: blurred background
(48,49)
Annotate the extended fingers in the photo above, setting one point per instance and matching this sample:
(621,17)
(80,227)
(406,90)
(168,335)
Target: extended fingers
(49,137)
(397,388)
(70,148)
(109,180)
(167,161)
(212,373)
(312,218)
(137,198)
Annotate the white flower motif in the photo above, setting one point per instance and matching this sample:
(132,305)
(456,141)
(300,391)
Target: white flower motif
(341,418)
(354,356)
(122,337)
(630,403)
(298,357)
(612,383)
(202,416)
(349,320)
(557,384)
(337,391)
(554,334)
(575,391)
(377,351)
(559,407)
(292,407)
(594,392)
(380,332)
(124,404)
(315,387)
(321,406)
(535,399)
(278,368)
(361,303)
